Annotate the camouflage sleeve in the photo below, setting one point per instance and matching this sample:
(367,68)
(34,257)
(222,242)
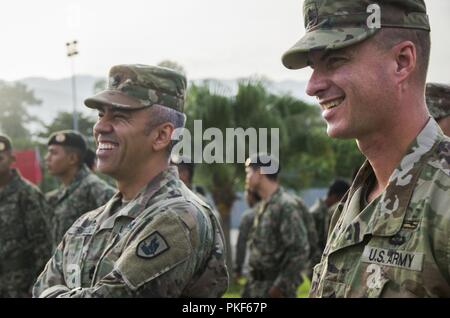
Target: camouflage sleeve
(159,262)
(294,237)
(35,212)
(241,246)
(51,282)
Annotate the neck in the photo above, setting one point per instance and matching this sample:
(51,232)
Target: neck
(267,190)
(385,149)
(130,184)
(69,175)
(6,178)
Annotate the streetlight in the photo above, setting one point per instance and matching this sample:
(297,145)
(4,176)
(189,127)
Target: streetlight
(71,52)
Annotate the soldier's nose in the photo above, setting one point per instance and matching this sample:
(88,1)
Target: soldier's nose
(317,84)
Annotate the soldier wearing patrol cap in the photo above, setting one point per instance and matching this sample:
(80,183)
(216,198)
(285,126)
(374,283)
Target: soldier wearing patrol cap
(154,238)
(390,233)
(80,191)
(278,246)
(438,102)
(24,244)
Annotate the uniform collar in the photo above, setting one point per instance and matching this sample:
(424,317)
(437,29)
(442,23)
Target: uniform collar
(147,194)
(271,199)
(384,216)
(81,174)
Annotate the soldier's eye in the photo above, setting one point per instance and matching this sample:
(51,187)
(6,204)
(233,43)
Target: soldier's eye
(119,116)
(335,61)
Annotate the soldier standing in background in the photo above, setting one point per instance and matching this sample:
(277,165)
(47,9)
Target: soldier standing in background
(186,170)
(24,246)
(81,190)
(245,227)
(278,248)
(438,102)
(155,237)
(313,237)
(323,209)
(390,237)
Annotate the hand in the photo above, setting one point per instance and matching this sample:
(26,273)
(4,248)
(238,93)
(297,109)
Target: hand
(275,292)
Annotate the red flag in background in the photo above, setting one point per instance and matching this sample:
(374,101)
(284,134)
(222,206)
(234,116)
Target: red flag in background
(28,163)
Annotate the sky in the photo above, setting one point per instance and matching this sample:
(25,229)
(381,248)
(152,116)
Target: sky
(222,39)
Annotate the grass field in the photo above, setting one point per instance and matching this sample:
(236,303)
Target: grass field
(234,289)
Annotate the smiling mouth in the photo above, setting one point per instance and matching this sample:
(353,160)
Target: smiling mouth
(106,146)
(332,104)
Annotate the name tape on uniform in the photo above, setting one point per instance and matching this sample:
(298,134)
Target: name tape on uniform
(401,259)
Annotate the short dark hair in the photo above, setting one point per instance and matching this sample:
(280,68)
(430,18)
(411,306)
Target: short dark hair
(339,187)
(78,152)
(161,114)
(256,161)
(386,38)
(89,158)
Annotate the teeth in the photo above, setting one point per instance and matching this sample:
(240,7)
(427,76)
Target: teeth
(106,146)
(332,104)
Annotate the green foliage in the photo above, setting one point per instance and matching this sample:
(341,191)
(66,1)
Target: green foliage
(63,121)
(234,289)
(309,157)
(15,99)
(348,156)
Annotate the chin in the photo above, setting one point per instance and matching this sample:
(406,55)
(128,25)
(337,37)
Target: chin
(105,169)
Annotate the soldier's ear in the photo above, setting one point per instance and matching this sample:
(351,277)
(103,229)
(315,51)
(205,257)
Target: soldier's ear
(406,60)
(73,158)
(163,136)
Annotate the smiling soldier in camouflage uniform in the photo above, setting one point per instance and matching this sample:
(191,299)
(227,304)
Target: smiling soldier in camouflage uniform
(24,246)
(438,102)
(154,238)
(81,190)
(278,247)
(391,236)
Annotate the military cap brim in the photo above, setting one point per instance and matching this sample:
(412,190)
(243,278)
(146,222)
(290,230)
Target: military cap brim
(330,39)
(113,98)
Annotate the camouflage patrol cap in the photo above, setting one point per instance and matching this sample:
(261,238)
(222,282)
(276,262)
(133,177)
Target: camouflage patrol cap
(438,100)
(70,138)
(137,86)
(335,24)
(5,143)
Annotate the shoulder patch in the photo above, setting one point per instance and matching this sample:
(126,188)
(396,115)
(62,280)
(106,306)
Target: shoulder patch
(161,245)
(152,246)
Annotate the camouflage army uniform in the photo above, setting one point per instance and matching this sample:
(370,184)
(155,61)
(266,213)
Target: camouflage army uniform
(438,100)
(321,216)
(313,238)
(245,227)
(24,247)
(164,243)
(398,245)
(85,193)
(278,249)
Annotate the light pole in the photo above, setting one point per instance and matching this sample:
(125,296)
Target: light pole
(71,52)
